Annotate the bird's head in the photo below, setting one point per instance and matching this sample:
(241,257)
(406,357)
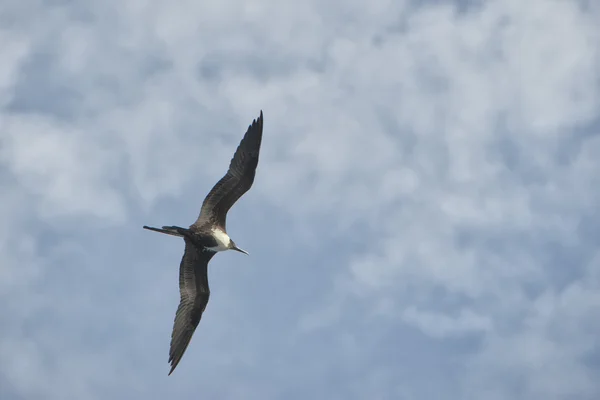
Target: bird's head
(232,246)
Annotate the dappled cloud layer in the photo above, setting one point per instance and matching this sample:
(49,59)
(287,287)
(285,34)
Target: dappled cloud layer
(423,224)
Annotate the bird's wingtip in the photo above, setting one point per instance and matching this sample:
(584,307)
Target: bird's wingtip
(257,121)
(173,365)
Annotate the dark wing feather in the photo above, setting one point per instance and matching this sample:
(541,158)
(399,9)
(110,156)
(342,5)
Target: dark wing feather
(194,290)
(237,180)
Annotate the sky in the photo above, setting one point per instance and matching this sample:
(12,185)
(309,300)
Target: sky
(423,224)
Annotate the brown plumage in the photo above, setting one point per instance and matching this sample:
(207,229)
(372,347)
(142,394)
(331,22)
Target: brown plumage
(236,182)
(208,235)
(194,293)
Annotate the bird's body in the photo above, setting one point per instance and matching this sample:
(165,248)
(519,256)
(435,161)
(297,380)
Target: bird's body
(207,236)
(221,240)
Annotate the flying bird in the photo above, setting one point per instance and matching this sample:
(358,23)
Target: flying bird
(207,236)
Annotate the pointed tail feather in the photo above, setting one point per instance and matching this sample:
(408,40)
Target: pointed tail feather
(169,230)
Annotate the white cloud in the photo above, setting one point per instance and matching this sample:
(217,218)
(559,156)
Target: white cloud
(440,325)
(54,162)
(428,184)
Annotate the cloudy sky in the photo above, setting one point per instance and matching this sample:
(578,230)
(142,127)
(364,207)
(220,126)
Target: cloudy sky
(424,222)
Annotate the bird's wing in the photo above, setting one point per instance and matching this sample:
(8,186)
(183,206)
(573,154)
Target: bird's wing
(237,180)
(194,290)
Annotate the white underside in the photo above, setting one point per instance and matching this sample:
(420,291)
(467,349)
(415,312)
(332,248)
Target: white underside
(222,240)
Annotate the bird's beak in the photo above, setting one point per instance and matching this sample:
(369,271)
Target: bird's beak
(240,250)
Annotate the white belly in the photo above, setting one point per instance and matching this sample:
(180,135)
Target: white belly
(222,240)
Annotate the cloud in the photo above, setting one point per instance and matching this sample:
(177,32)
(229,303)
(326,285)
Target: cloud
(423,223)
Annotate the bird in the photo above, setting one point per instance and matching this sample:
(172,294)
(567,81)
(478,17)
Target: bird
(208,236)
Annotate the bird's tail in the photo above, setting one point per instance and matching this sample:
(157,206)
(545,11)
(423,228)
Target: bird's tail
(169,230)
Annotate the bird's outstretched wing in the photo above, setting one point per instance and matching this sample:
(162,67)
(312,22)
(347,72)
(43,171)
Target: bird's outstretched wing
(194,290)
(237,180)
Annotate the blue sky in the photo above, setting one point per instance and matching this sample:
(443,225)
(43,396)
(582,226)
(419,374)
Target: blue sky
(423,224)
